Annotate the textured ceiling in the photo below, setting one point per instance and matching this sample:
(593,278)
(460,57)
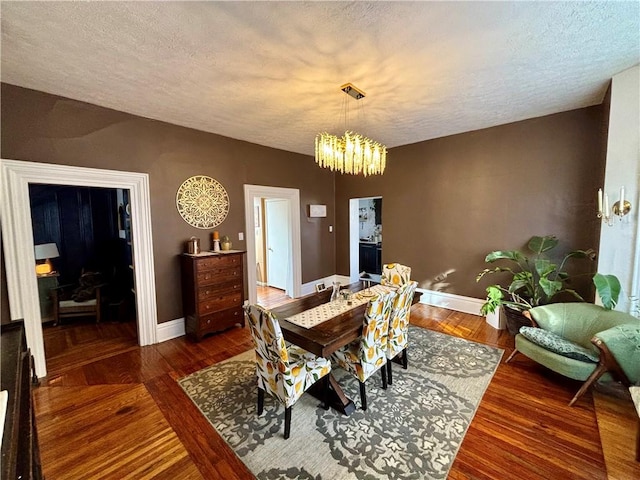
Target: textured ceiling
(270,72)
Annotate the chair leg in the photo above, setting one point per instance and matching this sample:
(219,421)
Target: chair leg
(389,374)
(363,396)
(405,359)
(595,375)
(287,422)
(260,400)
(383,372)
(513,354)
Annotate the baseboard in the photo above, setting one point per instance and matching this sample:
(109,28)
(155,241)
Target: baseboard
(460,303)
(171,329)
(310,287)
(176,328)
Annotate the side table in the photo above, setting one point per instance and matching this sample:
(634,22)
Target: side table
(45,284)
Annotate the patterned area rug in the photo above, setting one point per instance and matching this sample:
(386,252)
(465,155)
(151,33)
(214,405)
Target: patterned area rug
(411,430)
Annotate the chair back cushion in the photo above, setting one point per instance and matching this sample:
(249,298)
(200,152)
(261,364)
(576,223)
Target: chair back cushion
(399,319)
(272,358)
(285,374)
(375,332)
(395,274)
(578,321)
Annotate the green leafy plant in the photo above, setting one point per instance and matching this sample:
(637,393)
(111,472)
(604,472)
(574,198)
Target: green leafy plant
(608,288)
(535,278)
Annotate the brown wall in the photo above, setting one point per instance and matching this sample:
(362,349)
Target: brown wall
(448,202)
(45,128)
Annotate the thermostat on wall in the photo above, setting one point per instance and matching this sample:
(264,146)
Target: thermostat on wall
(317,210)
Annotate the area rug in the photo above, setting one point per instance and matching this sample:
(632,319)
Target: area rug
(411,430)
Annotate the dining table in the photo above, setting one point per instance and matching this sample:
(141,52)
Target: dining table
(328,336)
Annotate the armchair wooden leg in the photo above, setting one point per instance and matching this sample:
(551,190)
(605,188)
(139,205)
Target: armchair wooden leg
(260,400)
(287,422)
(389,374)
(363,396)
(405,359)
(595,375)
(383,372)
(513,354)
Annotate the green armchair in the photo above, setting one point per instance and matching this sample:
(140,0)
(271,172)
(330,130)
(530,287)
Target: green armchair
(582,341)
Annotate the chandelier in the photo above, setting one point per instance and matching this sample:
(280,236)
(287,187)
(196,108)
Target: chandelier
(352,153)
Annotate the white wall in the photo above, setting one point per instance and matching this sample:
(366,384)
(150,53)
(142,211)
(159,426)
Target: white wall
(619,244)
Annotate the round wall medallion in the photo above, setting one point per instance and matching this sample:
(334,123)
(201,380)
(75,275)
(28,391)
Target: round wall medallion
(202,202)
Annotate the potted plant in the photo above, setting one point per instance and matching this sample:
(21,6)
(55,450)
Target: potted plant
(534,279)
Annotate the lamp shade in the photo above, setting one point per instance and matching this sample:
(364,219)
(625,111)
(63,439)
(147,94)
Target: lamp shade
(46,250)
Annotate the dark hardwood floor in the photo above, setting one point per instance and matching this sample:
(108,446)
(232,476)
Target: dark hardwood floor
(111,409)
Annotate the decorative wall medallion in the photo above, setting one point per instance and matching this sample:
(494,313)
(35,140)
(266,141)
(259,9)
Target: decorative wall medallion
(202,202)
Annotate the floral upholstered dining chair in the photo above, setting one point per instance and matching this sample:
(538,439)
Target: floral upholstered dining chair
(365,356)
(284,372)
(399,326)
(395,274)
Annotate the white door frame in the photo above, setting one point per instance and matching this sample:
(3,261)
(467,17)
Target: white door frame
(251,192)
(19,256)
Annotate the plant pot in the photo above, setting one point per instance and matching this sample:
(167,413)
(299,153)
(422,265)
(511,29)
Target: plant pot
(514,320)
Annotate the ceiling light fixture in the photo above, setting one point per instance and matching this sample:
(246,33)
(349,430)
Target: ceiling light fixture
(352,153)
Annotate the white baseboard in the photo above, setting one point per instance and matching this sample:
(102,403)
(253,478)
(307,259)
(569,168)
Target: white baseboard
(460,303)
(176,328)
(310,287)
(171,329)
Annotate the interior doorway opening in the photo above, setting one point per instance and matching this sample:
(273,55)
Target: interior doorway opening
(273,250)
(272,220)
(90,230)
(19,245)
(365,237)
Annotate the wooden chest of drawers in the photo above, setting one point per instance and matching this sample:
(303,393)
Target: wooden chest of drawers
(212,292)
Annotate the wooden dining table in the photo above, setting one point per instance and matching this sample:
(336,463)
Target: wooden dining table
(326,337)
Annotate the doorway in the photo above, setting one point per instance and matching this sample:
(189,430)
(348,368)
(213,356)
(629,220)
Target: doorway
(365,237)
(285,208)
(19,245)
(90,228)
(277,243)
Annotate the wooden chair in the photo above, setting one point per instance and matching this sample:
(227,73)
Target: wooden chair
(395,274)
(284,372)
(367,355)
(399,327)
(82,300)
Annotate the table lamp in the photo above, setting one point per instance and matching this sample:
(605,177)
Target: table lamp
(45,251)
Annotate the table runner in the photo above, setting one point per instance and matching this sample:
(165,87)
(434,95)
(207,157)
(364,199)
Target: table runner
(321,313)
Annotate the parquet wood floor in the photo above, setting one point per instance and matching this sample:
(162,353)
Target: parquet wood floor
(111,409)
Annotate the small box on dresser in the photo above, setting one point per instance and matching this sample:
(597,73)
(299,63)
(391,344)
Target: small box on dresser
(212,292)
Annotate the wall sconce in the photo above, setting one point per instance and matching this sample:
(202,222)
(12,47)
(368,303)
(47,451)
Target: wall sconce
(45,251)
(619,209)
